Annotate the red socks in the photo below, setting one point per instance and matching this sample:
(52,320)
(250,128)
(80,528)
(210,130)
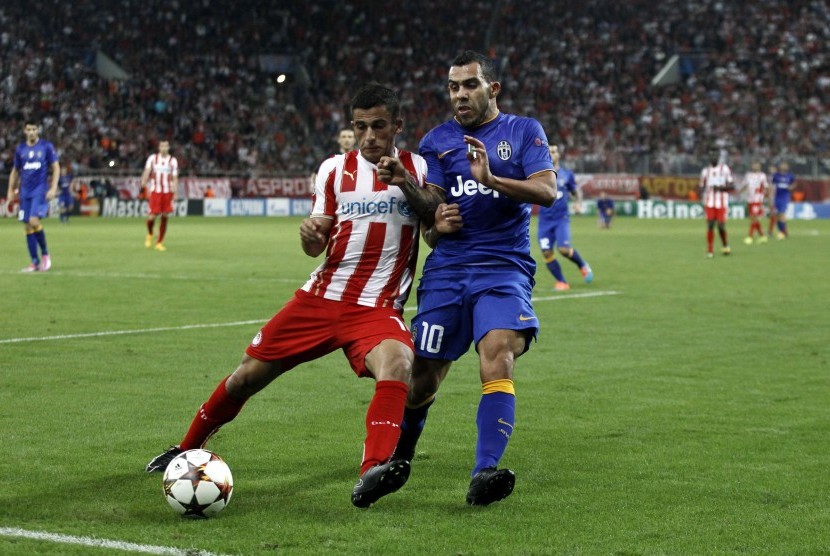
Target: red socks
(383,422)
(221,408)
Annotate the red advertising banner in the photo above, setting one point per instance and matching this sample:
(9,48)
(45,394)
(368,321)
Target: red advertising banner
(297,186)
(614,185)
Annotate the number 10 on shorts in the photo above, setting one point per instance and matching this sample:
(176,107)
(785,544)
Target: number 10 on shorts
(431,337)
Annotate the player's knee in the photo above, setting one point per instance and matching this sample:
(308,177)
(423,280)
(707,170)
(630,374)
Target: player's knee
(566,251)
(251,376)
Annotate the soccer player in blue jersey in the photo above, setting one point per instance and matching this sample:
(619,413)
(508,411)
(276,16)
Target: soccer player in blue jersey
(65,199)
(783,182)
(477,281)
(605,209)
(555,226)
(35,177)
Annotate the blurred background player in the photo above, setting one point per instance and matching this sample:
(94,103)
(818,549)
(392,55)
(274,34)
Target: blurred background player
(555,225)
(66,199)
(345,142)
(35,174)
(161,177)
(756,188)
(605,210)
(783,182)
(715,183)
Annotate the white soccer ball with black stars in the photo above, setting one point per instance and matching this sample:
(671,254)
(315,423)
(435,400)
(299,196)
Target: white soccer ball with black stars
(198,483)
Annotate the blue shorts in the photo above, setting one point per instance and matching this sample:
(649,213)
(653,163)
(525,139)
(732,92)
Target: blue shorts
(554,233)
(33,207)
(459,306)
(781,205)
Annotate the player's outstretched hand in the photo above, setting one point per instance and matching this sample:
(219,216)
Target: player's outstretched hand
(448,218)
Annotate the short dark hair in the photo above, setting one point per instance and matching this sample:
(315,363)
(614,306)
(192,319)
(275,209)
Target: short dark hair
(488,70)
(374,94)
(30,121)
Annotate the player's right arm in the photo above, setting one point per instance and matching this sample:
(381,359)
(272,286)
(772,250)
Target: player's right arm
(314,234)
(145,176)
(14,181)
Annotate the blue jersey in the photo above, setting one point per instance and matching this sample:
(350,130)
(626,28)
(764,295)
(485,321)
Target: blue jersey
(565,184)
(33,164)
(496,229)
(781,182)
(604,205)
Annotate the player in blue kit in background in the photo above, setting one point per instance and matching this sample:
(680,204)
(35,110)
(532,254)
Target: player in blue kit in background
(555,226)
(783,182)
(65,199)
(35,160)
(477,281)
(605,210)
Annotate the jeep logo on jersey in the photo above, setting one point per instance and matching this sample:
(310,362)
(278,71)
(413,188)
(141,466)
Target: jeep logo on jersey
(470,187)
(504,150)
(32,166)
(363,206)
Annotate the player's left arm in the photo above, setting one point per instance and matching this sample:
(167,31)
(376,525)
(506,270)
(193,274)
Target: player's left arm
(538,188)
(54,178)
(423,198)
(576,191)
(174,179)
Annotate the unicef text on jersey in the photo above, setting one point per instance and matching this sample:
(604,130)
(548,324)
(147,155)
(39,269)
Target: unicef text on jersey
(470,187)
(364,207)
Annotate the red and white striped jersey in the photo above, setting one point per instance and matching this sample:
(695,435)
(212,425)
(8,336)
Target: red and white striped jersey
(162,169)
(757,187)
(373,244)
(715,176)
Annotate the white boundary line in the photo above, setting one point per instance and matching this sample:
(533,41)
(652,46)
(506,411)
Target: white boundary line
(102,543)
(121,332)
(244,322)
(575,295)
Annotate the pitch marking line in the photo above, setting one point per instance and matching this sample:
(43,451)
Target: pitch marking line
(121,332)
(576,295)
(243,322)
(101,543)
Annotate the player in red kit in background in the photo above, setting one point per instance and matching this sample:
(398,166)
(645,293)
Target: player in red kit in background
(161,177)
(757,191)
(715,184)
(365,216)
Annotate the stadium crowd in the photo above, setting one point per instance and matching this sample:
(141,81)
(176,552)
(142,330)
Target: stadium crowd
(755,76)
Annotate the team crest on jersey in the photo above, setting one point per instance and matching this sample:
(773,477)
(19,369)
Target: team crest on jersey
(257,339)
(504,150)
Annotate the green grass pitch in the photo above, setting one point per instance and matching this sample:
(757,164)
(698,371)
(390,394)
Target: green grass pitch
(683,409)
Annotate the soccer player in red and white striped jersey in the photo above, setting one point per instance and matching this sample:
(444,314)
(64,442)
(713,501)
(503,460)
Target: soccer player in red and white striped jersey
(715,184)
(365,217)
(161,178)
(757,191)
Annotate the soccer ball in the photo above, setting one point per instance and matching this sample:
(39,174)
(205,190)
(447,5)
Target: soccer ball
(197,483)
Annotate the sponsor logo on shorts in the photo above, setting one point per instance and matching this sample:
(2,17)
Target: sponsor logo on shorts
(257,339)
(524,318)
